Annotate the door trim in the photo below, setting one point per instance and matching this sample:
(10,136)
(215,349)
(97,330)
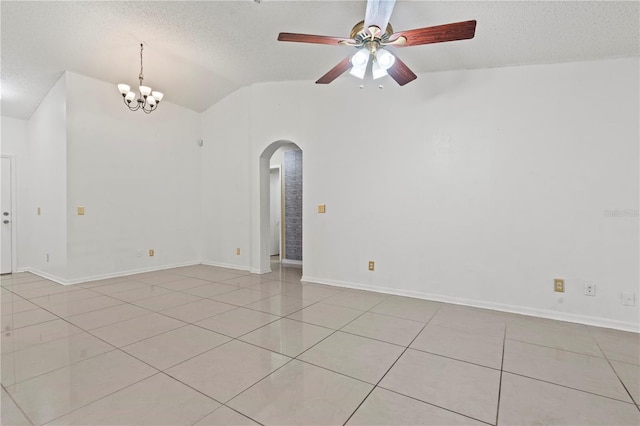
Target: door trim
(278,167)
(14,202)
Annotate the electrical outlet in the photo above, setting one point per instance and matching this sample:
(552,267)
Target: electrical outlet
(372,265)
(80,210)
(629,299)
(152,252)
(39,211)
(138,253)
(47,257)
(589,289)
(558,285)
(322,208)
(238,251)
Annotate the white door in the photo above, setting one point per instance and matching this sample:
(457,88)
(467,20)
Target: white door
(6,221)
(275,211)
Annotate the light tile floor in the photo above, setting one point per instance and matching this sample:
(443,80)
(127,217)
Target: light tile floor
(211,346)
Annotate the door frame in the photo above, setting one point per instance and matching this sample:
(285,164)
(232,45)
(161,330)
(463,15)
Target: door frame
(14,202)
(260,229)
(280,177)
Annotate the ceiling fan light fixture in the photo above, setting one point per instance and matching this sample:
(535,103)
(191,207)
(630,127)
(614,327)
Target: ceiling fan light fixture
(360,60)
(358,72)
(377,71)
(385,59)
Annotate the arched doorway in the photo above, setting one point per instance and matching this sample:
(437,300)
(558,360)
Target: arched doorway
(288,159)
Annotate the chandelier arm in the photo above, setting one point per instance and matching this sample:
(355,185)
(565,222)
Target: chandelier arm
(128,104)
(148,110)
(137,106)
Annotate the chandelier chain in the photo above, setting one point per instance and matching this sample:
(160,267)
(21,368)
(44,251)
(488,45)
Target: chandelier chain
(141,76)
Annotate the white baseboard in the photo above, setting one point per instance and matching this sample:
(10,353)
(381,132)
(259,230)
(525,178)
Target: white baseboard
(226,265)
(523,310)
(260,271)
(46,275)
(291,262)
(65,281)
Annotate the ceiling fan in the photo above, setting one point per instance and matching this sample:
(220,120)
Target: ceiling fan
(373,35)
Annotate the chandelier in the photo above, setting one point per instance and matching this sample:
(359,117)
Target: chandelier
(147,101)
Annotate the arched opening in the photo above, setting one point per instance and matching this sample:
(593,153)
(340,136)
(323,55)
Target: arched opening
(284,159)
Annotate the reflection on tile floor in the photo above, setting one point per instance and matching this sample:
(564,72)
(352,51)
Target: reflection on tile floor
(203,345)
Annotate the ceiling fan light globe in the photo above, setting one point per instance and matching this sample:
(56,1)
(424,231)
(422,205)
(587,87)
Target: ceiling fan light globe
(377,71)
(124,89)
(360,58)
(358,72)
(385,59)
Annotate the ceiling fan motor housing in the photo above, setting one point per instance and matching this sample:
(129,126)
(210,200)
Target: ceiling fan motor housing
(360,34)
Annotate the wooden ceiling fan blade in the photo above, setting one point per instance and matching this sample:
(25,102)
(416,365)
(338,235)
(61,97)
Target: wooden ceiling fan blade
(401,73)
(378,13)
(311,38)
(335,72)
(438,34)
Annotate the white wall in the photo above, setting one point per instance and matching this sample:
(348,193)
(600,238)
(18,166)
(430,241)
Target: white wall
(226,202)
(47,185)
(475,187)
(14,142)
(138,177)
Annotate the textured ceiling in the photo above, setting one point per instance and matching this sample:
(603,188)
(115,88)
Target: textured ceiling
(199,51)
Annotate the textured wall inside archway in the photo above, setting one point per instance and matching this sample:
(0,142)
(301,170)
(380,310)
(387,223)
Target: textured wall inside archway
(293,204)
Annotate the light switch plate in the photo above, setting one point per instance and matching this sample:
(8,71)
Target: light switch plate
(322,208)
(80,210)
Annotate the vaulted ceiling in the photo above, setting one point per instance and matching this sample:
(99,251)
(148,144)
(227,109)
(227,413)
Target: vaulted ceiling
(197,52)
